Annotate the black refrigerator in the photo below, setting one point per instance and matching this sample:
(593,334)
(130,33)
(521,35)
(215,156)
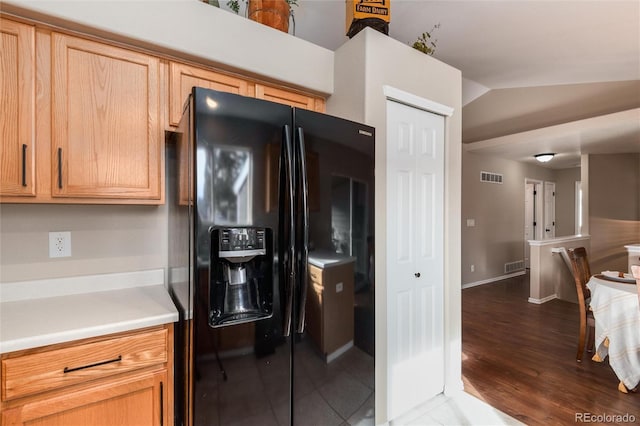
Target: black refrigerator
(271,255)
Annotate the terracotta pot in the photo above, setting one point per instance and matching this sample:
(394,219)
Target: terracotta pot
(274,13)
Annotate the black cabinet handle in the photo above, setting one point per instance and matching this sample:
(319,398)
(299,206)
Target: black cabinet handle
(109,361)
(24,164)
(417,274)
(161,404)
(60,168)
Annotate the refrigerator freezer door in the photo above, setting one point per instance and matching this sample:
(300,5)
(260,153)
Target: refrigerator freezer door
(231,137)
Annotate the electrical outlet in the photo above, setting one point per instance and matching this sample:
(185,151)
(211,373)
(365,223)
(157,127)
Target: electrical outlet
(59,244)
(473,268)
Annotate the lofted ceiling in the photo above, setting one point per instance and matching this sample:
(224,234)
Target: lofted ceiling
(537,75)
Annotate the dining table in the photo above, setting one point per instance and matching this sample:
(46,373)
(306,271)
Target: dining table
(616,310)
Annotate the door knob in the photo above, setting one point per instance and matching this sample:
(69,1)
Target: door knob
(417,274)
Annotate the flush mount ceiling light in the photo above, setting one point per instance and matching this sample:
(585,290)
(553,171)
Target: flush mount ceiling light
(543,158)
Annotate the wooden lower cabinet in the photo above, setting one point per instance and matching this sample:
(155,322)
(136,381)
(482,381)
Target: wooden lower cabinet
(330,308)
(123,379)
(137,399)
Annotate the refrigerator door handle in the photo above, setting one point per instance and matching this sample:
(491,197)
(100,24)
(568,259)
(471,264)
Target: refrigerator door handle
(286,236)
(303,232)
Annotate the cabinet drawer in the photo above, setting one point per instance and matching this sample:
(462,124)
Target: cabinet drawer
(41,371)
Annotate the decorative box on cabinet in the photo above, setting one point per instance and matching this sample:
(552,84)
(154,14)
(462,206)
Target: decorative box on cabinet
(17,119)
(119,379)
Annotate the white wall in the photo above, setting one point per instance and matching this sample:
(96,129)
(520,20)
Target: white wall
(551,277)
(614,209)
(566,200)
(363,66)
(104,239)
(498,210)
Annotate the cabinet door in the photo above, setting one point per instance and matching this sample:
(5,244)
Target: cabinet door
(184,77)
(287,97)
(17,121)
(131,400)
(106,138)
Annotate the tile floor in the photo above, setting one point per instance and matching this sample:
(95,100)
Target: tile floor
(459,410)
(256,390)
(340,393)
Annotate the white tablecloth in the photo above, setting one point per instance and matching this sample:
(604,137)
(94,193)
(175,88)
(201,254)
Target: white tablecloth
(617,316)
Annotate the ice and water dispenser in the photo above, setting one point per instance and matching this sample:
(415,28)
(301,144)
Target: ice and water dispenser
(241,279)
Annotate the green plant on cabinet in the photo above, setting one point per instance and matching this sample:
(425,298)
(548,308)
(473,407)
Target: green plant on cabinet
(425,43)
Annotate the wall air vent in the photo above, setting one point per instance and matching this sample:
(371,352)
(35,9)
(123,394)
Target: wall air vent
(513,266)
(490,177)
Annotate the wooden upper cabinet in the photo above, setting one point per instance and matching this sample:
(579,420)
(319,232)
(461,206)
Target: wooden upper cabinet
(287,97)
(17,103)
(182,78)
(106,122)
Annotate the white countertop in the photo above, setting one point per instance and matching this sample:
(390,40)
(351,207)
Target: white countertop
(558,240)
(326,258)
(32,322)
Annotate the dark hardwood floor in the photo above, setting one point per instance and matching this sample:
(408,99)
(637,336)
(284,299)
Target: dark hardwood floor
(520,358)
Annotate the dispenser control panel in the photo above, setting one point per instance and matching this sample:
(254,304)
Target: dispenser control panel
(239,242)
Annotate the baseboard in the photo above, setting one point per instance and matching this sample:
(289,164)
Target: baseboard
(543,300)
(492,280)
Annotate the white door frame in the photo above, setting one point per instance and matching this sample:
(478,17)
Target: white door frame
(549,210)
(537,213)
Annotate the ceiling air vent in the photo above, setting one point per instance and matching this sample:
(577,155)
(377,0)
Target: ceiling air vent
(490,177)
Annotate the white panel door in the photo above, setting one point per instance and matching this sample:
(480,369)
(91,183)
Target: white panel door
(549,210)
(415,262)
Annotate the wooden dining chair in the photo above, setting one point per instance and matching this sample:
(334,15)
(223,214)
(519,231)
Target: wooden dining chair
(581,275)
